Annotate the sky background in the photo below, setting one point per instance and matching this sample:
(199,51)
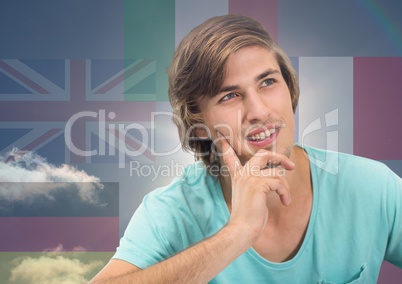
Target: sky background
(85,123)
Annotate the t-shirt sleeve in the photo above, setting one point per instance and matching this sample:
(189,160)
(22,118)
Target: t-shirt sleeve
(143,243)
(394,211)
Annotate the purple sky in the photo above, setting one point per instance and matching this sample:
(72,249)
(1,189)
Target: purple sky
(39,234)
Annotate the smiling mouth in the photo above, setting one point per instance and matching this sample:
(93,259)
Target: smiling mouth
(262,135)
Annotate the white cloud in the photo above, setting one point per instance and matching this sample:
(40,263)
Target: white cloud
(25,175)
(53,270)
(60,248)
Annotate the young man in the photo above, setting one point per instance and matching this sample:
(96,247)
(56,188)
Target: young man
(256,209)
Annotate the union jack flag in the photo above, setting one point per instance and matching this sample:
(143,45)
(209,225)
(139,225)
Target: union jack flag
(39,97)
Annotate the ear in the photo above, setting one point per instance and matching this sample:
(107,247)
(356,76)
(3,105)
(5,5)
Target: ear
(201,133)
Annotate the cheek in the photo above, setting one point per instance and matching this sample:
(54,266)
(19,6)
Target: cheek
(224,123)
(290,123)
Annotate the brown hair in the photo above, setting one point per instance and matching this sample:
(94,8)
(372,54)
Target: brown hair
(198,70)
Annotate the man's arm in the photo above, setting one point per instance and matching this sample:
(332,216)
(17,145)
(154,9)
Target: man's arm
(249,214)
(197,264)
(113,269)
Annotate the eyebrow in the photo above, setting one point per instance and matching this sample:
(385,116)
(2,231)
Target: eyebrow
(257,78)
(266,73)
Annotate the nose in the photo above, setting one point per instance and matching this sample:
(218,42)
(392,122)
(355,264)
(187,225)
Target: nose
(256,109)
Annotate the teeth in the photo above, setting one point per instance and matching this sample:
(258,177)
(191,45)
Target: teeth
(262,135)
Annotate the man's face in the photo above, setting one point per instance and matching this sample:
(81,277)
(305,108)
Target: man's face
(253,109)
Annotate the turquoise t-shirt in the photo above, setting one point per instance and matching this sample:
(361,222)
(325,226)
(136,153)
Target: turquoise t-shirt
(355,223)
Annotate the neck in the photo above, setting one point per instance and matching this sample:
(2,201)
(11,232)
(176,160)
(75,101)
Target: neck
(298,179)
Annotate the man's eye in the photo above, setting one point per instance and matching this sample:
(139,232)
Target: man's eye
(228,97)
(268,82)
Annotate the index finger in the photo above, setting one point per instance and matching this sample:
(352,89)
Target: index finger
(229,156)
(268,159)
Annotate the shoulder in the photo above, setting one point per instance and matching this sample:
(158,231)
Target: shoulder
(342,165)
(193,185)
(350,175)
(190,208)
(346,177)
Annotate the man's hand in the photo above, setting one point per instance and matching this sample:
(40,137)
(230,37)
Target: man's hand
(251,183)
